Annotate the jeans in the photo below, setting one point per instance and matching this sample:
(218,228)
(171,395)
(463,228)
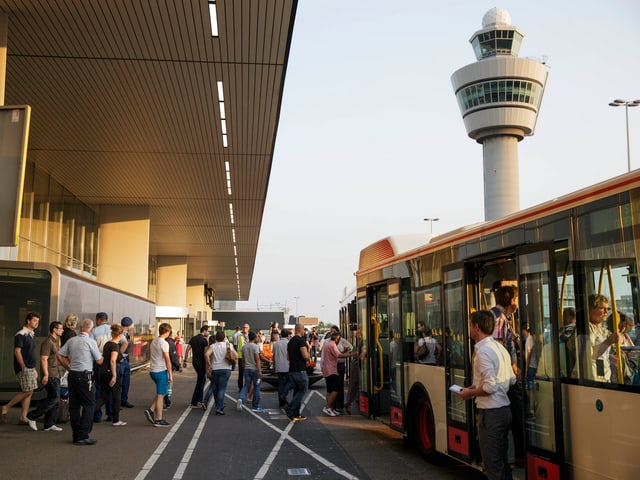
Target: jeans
(251,376)
(284,385)
(110,396)
(49,406)
(300,382)
(218,387)
(493,437)
(125,372)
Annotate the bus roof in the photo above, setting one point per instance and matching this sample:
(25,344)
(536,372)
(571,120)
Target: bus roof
(393,249)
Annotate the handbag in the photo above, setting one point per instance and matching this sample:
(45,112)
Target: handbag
(231,356)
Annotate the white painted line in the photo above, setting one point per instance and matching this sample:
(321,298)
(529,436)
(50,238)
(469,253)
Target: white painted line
(163,445)
(284,435)
(184,463)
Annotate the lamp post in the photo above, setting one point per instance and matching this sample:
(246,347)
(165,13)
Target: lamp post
(296,299)
(431,220)
(627,103)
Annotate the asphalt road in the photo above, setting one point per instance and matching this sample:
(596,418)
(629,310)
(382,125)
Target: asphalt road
(239,445)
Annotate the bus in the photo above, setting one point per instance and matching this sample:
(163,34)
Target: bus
(559,254)
(54,293)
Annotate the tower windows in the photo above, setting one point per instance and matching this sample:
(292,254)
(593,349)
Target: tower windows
(500,91)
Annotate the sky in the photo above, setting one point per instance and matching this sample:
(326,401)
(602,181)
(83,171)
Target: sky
(371,140)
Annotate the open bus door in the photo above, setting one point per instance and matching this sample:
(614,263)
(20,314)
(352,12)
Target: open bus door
(540,411)
(457,302)
(543,395)
(381,392)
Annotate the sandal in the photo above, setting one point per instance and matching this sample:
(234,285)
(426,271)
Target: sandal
(119,424)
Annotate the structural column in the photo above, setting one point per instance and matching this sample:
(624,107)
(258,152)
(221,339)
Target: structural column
(123,248)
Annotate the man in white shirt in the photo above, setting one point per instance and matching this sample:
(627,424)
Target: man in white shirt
(492,377)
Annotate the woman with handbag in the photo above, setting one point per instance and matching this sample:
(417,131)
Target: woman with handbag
(219,357)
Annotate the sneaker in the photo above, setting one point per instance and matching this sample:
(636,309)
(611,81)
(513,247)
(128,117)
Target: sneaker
(335,412)
(328,411)
(161,423)
(257,410)
(299,418)
(53,428)
(203,406)
(239,405)
(219,412)
(167,407)
(150,416)
(32,425)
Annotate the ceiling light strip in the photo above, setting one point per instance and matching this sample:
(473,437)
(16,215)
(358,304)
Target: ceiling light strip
(213,15)
(223,115)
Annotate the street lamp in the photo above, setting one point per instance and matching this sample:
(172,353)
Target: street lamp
(627,103)
(431,220)
(296,299)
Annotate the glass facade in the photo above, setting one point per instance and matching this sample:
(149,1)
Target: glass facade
(500,91)
(55,227)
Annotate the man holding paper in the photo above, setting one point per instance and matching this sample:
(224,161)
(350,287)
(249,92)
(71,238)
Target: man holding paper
(492,377)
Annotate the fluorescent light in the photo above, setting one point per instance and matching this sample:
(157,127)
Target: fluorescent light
(220,92)
(226,166)
(222,114)
(225,142)
(213,15)
(224,126)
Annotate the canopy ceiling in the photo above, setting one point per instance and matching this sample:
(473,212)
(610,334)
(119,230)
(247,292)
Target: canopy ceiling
(125,111)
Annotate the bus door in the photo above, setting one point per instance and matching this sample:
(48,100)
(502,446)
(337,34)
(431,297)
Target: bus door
(542,393)
(383,343)
(460,423)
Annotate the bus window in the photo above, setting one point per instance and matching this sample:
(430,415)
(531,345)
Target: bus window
(607,296)
(429,317)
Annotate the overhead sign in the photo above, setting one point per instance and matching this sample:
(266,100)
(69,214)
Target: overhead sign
(14,132)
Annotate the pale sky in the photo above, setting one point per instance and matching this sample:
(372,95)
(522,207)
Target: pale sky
(371,140)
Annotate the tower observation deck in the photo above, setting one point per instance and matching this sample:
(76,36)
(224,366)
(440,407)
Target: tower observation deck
(499,97)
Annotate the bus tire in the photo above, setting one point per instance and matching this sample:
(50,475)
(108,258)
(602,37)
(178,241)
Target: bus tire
(424,429)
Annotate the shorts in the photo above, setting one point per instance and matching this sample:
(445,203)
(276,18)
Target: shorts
(162,381)
(28,380)
(333,383)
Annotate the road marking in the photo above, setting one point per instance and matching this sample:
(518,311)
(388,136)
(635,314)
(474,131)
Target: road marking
(161,448)
(284,435)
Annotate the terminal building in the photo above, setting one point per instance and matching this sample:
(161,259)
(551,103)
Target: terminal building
(150,144)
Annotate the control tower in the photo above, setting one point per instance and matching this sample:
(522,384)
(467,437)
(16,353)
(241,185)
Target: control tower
(499,98)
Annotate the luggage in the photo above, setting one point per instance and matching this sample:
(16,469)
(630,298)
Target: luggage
(63,411)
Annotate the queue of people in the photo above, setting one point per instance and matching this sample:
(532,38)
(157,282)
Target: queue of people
(93,358)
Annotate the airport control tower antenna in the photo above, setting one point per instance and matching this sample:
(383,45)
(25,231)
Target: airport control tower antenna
(499,98)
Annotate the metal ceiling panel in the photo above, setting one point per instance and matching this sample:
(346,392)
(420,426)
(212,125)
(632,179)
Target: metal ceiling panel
(125,112)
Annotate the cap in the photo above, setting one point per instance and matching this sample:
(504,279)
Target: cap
(126,322)
(102,315)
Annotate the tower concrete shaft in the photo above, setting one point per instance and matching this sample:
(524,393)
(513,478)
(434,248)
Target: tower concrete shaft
(499,97)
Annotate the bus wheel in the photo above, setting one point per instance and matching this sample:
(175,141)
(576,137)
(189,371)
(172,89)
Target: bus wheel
(424,428)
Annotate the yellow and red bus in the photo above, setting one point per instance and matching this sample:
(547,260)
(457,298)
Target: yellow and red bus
(558,254)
